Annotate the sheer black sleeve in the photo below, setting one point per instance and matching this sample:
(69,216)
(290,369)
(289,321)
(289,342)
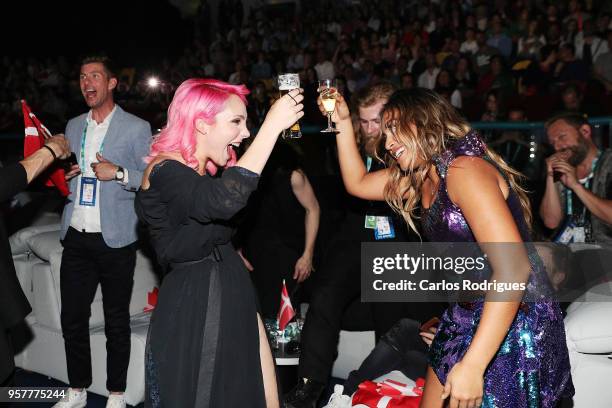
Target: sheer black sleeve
(13,179)
(206,198)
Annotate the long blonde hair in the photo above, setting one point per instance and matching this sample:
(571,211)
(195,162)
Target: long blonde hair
(438,126)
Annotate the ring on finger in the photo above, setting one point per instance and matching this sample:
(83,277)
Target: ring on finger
(293,99)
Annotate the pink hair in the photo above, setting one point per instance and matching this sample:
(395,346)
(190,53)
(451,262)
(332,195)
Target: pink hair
(194,99)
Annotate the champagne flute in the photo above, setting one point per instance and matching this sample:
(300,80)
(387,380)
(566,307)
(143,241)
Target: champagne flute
(328,91)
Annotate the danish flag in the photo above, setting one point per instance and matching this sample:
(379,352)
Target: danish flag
(286,312)
(35,135)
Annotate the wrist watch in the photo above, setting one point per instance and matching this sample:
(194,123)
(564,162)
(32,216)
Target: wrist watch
(120,174)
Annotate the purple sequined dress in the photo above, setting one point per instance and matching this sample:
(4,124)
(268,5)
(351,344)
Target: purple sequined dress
(531,368)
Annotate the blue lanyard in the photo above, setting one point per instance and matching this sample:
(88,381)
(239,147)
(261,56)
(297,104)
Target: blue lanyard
(368,164)
(568,193)
(82,163)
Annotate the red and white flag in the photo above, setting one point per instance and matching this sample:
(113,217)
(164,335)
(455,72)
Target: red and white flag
(286,312)
(35,134)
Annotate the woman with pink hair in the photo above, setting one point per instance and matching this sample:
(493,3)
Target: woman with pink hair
(206,345)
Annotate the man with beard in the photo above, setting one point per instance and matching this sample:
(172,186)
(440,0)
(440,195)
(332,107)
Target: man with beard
(578,196)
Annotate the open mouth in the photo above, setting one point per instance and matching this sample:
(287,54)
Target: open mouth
(90,93)
(231,152)
(397,152)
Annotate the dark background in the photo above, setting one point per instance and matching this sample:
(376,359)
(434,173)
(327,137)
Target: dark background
(132,31)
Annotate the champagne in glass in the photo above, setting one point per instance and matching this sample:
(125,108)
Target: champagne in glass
(286,83)
(328,90)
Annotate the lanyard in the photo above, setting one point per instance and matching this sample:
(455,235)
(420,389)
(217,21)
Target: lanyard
(368,164)
(568,193)
(82,163)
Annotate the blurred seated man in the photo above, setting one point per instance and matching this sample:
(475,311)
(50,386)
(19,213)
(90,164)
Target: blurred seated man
(577,200)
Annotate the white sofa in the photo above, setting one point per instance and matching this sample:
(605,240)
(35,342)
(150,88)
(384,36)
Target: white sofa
(37,255)
(588,328)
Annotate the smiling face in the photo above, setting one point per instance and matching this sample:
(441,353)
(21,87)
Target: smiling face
(565,137)
(216,142)
(96,84)
(397,147)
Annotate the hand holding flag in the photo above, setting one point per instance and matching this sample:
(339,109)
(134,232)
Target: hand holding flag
(36,135)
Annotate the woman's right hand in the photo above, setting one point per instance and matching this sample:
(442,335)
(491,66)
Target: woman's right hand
(286,110)
(341,111)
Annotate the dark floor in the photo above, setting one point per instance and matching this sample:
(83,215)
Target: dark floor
(25,378)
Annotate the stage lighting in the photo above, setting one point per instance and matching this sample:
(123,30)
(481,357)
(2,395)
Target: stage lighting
(153,82)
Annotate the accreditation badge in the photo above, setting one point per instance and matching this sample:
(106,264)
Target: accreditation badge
(88,191)
(566,233)
(370,222)
(384,228)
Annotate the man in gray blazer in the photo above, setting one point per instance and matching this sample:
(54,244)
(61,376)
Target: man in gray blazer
(99,230)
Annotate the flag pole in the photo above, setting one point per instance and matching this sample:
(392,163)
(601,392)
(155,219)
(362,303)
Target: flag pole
(284,340)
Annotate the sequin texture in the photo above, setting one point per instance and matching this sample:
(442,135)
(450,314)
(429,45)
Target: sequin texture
(531,369)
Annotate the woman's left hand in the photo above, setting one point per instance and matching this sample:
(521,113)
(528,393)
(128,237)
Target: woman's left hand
(303,267)
(464,385)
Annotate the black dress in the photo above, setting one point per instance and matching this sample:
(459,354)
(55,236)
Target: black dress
(203,342)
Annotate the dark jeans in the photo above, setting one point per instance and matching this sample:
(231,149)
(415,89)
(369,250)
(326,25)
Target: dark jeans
(341,285)
(86,262)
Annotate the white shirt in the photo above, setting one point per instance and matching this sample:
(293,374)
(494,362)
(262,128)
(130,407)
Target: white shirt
(598,46)
(427,79)
(455,99)
(470,47)
(87,218)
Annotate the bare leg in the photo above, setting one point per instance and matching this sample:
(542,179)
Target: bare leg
(433,391)
(267,367)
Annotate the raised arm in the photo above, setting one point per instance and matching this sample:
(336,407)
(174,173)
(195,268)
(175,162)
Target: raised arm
(357,181)
(283,114)
(550,207)
(600,207)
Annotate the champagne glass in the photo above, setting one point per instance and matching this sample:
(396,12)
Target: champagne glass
(287,82)
(328,91)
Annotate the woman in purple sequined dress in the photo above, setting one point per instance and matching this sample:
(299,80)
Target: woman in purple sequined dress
(485,354)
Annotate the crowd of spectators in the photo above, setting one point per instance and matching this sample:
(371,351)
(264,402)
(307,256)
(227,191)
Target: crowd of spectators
(487,57)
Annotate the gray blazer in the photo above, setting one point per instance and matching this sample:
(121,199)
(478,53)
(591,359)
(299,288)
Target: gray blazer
(126,143)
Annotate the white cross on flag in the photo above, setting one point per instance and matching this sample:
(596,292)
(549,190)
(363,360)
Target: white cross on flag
(35,135)
(286,312)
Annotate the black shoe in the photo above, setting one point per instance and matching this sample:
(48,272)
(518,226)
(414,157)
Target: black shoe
(304,395)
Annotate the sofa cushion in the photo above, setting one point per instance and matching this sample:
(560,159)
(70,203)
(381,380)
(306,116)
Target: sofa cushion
(47,218)
(19,240)
(44,244)
(589,323)
(46,303)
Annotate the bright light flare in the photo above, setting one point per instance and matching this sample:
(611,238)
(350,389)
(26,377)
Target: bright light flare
(153,82)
